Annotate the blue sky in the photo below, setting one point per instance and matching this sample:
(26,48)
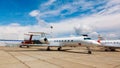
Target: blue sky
(18,10)
(66,16)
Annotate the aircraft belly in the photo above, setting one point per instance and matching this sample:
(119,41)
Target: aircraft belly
(54,44)
(71,44)
(114,46)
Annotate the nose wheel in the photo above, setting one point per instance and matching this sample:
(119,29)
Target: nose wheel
(20,46)
(27,46)
(59,48)
(89,51)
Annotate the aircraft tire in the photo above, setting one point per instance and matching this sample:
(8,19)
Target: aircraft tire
(20,46)
(27,46)
(48,48)
(106,49)
(59,48)
(112,50)
(89,52)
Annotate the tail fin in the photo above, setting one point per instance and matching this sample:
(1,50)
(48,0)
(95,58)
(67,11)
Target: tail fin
(99,39)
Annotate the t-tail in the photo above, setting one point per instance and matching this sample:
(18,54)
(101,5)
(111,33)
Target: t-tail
(100,38)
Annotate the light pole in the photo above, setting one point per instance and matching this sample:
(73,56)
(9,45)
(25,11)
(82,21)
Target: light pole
(51,30)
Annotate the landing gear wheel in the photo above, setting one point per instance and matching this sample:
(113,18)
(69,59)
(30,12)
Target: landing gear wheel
(48,48)
(89,52)
(106,49)
(20,46)
(59,48)
(27,46)
(112,50)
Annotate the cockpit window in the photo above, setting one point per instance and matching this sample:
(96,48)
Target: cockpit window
(87,38)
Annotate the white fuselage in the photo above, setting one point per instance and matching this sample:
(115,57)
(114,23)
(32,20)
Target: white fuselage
(110,43)
(10,42)
(72,41)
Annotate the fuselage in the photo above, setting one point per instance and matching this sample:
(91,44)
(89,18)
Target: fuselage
(71,41)
(110,43)
(6,42)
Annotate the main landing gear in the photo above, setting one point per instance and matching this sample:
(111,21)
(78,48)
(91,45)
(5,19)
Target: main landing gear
(48,48)
(21,46)
(89,51)
(59,48)
(110,49)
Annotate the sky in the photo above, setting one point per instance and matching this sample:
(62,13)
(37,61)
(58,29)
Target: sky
(68,18)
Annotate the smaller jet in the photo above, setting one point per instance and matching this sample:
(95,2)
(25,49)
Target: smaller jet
(109,45)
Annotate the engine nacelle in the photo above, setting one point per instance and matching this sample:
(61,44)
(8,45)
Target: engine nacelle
(44,41)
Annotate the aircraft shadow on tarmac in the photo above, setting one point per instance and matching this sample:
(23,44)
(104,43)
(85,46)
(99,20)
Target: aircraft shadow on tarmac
(44,50)
(54,50)
(29,50)
(104,51)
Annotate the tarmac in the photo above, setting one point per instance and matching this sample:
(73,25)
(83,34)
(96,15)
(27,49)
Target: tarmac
(69,57)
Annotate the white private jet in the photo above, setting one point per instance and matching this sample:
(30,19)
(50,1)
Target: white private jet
(110,45)
(10,42)
(60,42)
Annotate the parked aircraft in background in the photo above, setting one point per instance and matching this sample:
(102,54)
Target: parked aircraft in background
(110,45)
(9,42)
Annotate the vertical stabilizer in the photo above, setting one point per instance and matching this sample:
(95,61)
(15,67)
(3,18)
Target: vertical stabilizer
(99,38)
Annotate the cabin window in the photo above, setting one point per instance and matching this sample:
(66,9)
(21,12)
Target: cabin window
(65,40)
(68,40)
(59,40)
(71,40)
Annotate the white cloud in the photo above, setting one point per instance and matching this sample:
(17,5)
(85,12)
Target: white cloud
(34,13)
(75,6)
(99,23)
(37,15)
(14,24)
(92,24)
(105,22)
(83,29)
(112,7)
(48,3)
